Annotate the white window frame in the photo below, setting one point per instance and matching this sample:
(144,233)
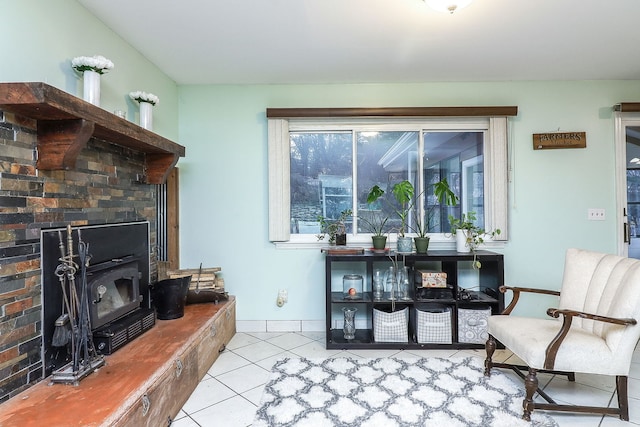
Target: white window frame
(495,166)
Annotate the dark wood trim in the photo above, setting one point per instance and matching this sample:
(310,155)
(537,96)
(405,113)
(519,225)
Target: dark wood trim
(627,107)
(516,295)
(173,220)
(281,113)
(65,123)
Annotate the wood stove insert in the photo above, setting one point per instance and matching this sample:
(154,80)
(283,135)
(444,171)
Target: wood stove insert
(118,284)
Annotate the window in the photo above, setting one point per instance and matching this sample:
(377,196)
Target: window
(322,166)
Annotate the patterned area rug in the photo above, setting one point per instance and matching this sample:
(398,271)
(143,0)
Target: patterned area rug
(391,392)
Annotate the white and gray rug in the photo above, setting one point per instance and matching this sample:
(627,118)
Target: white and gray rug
(430,392)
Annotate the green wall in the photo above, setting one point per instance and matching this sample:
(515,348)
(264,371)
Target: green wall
(224,203)
(41,37)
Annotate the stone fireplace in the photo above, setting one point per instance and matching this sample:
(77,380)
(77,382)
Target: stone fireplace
(106,174)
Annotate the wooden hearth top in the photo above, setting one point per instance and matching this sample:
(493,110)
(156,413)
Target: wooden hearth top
(102,395)
(66,122)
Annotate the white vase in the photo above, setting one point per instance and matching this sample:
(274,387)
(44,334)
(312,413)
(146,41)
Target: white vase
(462,245)
(146,115)
(91,88)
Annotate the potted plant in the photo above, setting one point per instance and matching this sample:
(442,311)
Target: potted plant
(444,195)
(376,221)
(421,240)
(403,192)
(468,235)
(336,229)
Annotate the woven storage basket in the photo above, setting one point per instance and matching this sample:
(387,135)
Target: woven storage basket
(391,327)
(473,324)
(433,326)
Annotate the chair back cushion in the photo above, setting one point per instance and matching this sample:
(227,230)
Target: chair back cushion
(607,285)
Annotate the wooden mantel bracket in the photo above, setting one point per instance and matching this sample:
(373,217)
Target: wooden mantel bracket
(159,166)
(60,142)
(65,123)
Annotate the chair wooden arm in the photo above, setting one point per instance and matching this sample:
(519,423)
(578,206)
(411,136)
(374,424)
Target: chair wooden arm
(516,295)
(568,315)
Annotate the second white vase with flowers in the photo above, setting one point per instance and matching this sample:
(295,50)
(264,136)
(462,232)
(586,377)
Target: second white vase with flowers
(91,87)
(146,115)
(146,101)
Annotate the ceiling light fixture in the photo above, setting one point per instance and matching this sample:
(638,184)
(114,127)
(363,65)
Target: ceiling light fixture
(447,5)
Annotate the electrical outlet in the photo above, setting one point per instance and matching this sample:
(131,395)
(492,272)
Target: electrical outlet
(595,214)
(284,295)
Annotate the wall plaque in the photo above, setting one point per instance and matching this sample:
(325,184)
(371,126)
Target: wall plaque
(543,141)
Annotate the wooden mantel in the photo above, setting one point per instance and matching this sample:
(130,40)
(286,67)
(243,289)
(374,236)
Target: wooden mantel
(65,123)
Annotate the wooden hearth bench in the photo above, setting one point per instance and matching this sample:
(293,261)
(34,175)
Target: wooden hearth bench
(145,383)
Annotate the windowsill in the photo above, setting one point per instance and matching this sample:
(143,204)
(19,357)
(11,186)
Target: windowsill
(437,243)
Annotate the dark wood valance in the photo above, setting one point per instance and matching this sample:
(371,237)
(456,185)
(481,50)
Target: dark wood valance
(627,107)
(288,113)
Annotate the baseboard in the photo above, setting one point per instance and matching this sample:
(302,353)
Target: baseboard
(280,325)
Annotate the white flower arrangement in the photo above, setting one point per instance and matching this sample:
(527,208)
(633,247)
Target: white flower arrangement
(96,63)
(141,96)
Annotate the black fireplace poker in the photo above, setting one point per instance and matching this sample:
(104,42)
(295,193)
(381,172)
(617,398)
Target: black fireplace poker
(84,358)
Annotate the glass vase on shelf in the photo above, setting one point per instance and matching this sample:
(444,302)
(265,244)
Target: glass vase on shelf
(391,283)
(403,283)
(349,327)
(378,285)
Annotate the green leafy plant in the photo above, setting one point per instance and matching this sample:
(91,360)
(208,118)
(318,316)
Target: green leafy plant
(405,195)
(444,195)
(376,221)
(333,228)
(403,192)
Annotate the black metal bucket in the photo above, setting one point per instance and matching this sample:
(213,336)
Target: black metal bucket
(169,297)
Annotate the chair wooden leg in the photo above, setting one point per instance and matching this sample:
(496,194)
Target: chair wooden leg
(490,347)
(623,398)
(531,386)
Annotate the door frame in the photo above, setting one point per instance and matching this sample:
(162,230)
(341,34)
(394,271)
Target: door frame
(622,121)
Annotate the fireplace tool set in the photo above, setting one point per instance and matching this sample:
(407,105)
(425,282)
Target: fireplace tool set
(73,326)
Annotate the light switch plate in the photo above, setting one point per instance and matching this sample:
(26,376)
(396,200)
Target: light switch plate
(595,214)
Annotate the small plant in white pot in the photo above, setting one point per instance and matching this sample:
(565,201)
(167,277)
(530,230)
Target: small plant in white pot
(468,235)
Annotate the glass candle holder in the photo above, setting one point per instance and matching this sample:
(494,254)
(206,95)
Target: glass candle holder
(352,286)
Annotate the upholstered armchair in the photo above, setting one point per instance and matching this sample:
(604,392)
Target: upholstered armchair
(594,330)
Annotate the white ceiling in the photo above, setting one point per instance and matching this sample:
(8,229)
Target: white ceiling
(379,41)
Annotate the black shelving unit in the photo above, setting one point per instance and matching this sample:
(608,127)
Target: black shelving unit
(467,288)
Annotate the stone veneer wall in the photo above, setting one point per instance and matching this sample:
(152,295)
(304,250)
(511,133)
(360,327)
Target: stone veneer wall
(101,189)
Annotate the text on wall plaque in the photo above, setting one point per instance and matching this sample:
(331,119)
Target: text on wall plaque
(542,141)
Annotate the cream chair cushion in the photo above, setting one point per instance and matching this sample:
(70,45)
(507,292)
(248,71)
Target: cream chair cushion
(595,283)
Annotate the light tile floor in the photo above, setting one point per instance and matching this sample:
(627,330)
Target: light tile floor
(230,392)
